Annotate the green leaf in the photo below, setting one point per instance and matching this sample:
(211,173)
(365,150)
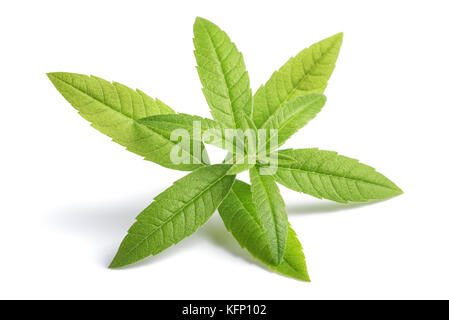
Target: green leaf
(239,164)
(325,174)
(222,73)
(237,168)
(241,218)
(306,73)
(247,122)
(242,155)
(170,122)
(114,109)
(216,135)
(271,209)
(292,117)
(294,261)
(175,214)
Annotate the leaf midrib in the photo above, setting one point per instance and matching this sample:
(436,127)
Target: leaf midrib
(258,224)
(120,113)
(222,70)
(244,207)
(175,214)
(336,176)
(272,213)
(295,87)
(290,118)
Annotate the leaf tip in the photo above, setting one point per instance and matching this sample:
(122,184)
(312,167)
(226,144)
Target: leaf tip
(338,37)
(51,75)
(198,21)
(116,263)
(394,189)
(336,40)
(304,277)
(201,23)
(121,258)
(398,190)
(201,20)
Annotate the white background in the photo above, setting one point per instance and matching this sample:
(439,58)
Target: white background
(68,194)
